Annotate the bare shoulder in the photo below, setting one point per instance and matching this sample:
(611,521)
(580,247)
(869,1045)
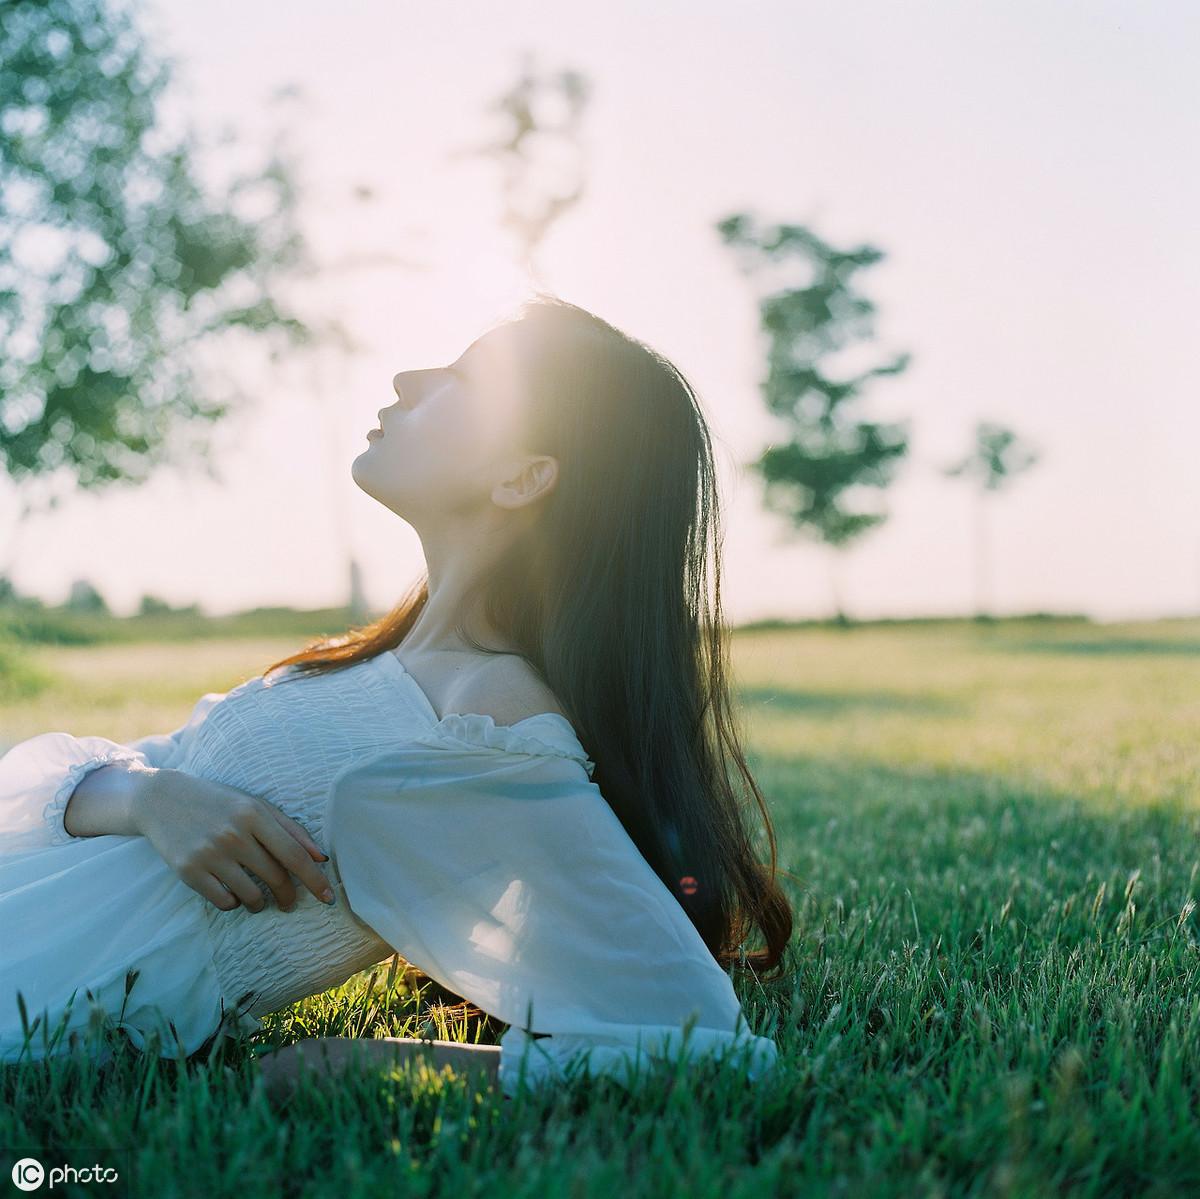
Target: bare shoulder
(506,688)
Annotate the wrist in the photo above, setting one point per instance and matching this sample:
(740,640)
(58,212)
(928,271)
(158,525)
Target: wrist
(106,798)
(144,784)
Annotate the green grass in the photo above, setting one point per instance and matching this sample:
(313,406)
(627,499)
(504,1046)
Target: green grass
(996,961)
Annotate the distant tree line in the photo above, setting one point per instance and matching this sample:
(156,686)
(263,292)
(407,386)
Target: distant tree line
(85,597)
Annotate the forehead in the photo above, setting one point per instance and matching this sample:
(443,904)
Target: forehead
(499,352)
(492,366)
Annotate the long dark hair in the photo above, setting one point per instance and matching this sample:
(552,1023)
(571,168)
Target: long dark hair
(606,597)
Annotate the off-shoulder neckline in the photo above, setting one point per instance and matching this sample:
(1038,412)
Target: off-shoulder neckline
(390,662)
(546,733)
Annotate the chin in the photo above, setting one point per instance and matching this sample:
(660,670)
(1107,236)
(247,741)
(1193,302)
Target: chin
(381,494)
(360,476)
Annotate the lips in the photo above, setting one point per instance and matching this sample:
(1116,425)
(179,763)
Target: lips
(372,434)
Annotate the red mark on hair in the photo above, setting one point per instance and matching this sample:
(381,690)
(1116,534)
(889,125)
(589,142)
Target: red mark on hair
(688,884)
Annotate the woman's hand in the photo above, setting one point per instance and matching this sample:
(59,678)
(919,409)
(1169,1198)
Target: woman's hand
(210,834)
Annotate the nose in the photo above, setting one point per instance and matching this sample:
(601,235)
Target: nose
(399,397)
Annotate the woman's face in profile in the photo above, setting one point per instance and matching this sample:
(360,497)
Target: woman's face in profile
(452,436)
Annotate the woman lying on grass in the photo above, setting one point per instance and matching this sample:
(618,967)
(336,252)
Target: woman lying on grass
(560,477)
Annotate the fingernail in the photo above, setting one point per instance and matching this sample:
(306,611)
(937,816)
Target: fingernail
(327,895)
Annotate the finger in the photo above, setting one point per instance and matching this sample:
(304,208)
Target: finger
(257,857)
(294,856)
(240,883)
(214,891)
(298,831)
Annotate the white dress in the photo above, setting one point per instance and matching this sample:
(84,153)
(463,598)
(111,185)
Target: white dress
(481,853)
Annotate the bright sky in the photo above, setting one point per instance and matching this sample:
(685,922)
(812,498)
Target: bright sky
(1030,170)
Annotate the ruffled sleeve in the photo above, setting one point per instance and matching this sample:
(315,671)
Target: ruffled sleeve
(39,775)
(486,857)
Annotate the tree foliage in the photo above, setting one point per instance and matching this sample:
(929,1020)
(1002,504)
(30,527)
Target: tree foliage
(84,597)
(539,152)
(115,265)
(996,458)
(827,452)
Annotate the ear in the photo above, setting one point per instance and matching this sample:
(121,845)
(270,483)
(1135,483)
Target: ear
(535,479)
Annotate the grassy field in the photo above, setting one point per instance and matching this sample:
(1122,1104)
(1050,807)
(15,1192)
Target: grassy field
(996,962)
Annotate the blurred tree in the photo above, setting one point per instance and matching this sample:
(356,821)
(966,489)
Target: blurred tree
(995,459)
(539,152)
(83,597)
(114,266)
(827,452)
(151,605)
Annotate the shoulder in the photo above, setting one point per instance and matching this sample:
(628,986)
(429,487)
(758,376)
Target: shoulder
(506,688)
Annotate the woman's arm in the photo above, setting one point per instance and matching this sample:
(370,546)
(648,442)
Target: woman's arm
(328,1057)
(208,833)
(107,800)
